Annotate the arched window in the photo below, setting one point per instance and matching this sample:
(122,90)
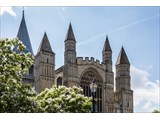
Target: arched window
(86,80)
(59,81)
(31,70)
(47,60)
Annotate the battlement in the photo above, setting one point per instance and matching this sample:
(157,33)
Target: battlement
(87,60)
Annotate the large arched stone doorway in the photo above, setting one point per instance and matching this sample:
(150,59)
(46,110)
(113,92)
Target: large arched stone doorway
(86,79)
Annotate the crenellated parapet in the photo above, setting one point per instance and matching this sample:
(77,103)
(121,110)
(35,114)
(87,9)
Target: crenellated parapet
(90,61)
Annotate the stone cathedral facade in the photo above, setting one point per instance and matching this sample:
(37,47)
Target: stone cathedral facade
(79,71)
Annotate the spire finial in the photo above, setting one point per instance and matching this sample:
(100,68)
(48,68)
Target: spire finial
(122,48)
(70,25)
(106,37)
(45,33)
(23,13)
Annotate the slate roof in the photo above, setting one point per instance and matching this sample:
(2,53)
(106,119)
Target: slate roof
(45,45)
(24,36)
(70,34)
(122,58)
(106,45)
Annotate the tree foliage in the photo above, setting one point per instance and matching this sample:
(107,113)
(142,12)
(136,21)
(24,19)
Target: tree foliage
(156,111)
(63,100)
(14,97)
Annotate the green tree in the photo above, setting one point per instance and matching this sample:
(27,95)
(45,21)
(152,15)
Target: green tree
(15,97)
(63,99)
(156,111)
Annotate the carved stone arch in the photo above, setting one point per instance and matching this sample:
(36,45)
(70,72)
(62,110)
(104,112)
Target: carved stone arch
(94,72)
(86,79)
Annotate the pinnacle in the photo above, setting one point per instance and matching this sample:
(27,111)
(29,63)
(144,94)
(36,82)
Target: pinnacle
(70,34)
(45,45)
(122,58)
(107,45)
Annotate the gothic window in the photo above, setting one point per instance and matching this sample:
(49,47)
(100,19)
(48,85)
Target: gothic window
(87,89)
(50,71)
(31,70)
(127,104)
(59,81)
(84,90)
(47,60)
(97,92)
(86,80)
(46,70)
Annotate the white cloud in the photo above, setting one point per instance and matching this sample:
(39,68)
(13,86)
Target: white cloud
(8,10)
(146,91)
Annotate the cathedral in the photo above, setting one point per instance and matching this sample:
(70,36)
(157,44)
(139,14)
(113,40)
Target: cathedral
(78,71)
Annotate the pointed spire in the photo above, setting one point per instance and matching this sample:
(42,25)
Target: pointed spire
(70,34)
(122,58)
(45,45)
(107,45)
(23,14)
(23,35)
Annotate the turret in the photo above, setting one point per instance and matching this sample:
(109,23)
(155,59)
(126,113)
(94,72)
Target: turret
(44,65)
(122,71)
(109,77)
(70,73)
(107,55)
(123,94)
(70,46)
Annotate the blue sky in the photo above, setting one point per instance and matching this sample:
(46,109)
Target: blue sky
(136,28)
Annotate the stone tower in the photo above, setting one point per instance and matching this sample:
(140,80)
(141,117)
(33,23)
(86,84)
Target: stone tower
(24,37)
(70,65)
(44,65)
(123,94)
(109,80)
